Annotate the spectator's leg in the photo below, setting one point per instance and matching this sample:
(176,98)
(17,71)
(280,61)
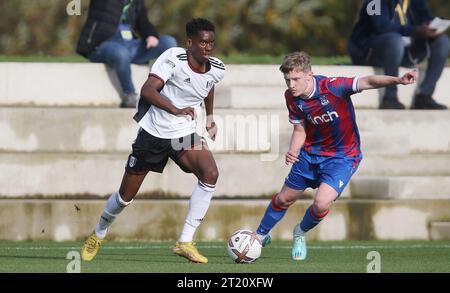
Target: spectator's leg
(144,55)
(118,57)
(356,54)
(439,48)
(387,51)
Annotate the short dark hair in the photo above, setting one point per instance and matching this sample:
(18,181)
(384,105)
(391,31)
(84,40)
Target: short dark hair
(198,24)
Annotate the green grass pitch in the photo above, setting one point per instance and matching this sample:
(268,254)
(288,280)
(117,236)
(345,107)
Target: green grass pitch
(115,257)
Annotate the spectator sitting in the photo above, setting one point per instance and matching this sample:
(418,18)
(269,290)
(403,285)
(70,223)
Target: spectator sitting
(399,36)
(118,33)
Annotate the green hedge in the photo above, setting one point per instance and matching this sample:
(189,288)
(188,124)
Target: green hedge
(252,27)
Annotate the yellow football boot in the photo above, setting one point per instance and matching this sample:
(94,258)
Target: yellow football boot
(91,247)
(189,251)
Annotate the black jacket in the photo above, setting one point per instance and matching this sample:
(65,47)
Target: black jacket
(369,26)
(104,18)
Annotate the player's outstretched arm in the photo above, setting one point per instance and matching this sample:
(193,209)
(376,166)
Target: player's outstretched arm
(297,140)
(378,81)
(150,91)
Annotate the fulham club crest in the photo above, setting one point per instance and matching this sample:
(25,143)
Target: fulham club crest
(209,84)
(132,162)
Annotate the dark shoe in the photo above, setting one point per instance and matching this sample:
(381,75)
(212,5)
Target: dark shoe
(129,100)
(391,103)
(426,102)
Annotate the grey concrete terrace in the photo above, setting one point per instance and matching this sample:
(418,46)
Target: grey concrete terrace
(244,86)
(64,141)
(67,129)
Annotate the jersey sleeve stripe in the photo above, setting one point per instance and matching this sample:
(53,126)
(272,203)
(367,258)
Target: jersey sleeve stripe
(218,67)
(295,122)
(156,76)
(355,85)
(212,61)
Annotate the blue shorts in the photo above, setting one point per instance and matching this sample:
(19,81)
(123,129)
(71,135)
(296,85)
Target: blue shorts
(312,170)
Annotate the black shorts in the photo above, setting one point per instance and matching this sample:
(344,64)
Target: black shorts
(150,153)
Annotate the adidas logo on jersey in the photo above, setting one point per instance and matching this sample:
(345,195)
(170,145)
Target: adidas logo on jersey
(325,118)
(187,80)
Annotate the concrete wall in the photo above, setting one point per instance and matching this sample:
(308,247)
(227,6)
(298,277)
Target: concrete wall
(244,86)
(163,219)
(63,136)
(55,129)
(49,151)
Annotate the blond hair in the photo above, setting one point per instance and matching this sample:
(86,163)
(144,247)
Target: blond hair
(297,61)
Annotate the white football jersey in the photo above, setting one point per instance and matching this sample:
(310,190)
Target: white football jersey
(183,87)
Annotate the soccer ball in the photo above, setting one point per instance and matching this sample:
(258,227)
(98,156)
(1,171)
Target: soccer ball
(244,246)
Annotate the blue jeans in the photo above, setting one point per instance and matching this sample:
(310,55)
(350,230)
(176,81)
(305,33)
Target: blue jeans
(389,52)
(121,54)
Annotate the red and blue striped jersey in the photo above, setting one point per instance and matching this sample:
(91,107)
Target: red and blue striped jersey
(328,117)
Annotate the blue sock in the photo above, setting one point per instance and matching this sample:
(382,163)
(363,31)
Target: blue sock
(272,216)
(311,219)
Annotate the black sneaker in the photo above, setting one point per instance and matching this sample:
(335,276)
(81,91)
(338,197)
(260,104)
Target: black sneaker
(129,100)
(391,103)
(426,103)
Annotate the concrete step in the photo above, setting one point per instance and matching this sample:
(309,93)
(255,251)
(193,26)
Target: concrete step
(241,89)
(400,187)
(52,174)
(425,131)
(241,175)
(89,84)
(158,220)
(405,165)
(440,231)
(50,129)
(62,84)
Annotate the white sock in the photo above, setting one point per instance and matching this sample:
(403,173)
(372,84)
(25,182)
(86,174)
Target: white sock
(198,206)
(298,231)
(261,237)
(114,206)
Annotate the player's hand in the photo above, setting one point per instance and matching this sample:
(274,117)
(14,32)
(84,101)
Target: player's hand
(409,77)
(425,31)
(211,127)
(291,158)
(188,111)
(151,42)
